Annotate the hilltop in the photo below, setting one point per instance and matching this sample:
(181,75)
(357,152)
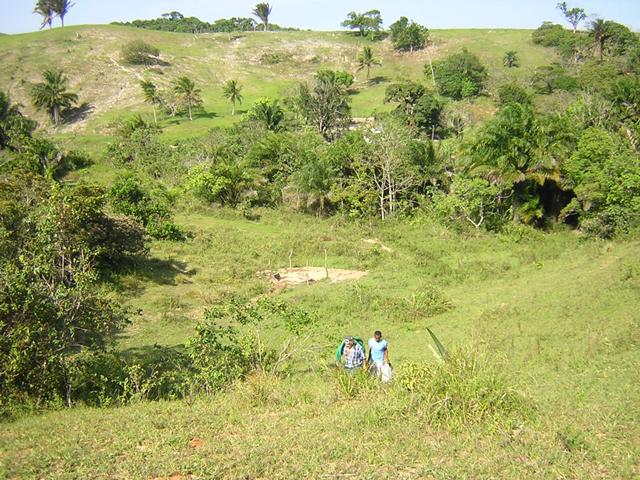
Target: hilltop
(266,64)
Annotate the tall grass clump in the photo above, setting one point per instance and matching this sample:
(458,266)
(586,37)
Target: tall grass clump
(461,389)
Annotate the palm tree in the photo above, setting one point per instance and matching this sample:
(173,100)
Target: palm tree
(151,95)
(52,94)
(231,91)
(508,151)
(600,33)
(367,60)
(262,11)
(267,112)
(60,8)
(511,59)
(187,91)
(43,8)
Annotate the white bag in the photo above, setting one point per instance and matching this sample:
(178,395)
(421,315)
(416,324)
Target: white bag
(386,373)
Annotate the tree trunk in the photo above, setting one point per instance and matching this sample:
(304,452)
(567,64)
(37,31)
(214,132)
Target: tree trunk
(190,116)
(601,44)
(56,115)
(155,118)
(233,108)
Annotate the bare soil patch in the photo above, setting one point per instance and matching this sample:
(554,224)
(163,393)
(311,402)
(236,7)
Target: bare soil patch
(307,275)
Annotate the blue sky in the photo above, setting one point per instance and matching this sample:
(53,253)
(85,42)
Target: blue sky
(327,14)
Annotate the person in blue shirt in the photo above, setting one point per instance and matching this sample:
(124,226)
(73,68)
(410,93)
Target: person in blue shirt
(378,353)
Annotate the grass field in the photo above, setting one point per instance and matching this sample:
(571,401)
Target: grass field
(553,314)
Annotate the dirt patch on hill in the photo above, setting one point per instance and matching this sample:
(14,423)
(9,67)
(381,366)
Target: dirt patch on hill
(306,275)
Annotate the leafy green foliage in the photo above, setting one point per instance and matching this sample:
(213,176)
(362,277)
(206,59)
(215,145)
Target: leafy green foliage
(513,93)
(268,113)
(408,36)
(152,210)
(138,52)
(420,108)
(606,179)
(573,15)
(55,242)
(187,92)
(460,75)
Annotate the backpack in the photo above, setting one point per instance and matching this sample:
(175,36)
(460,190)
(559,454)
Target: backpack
(340,349)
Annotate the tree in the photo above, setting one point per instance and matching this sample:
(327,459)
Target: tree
(52,96)
(262,11)
(325,104)
(267,112)
(511,60)
(507,152)
(390,167)
(406,94)
(61,8)
(418,107)
(151,95)
(53,307)
(14,127)
(231,91)
(545,78)
(316,177)
(407,35)
(187,91)
(573,15)
(367,60)
(600,32)
(43,8)
(367,24)
(460,75)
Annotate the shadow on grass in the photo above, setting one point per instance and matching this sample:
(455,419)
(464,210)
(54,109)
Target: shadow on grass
(161,272)
(185,118)
(76,114)
(377,80)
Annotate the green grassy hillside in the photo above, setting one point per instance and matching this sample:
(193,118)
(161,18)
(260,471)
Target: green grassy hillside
(551,318)
(90,56)
(556,314)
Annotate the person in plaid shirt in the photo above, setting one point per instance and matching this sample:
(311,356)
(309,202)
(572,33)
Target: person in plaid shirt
(352,355)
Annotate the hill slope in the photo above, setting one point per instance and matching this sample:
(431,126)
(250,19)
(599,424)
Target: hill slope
(90,56)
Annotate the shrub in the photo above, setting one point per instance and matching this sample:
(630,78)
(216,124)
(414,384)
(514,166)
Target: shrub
(513,93)
(461,75)
(465,389)
(138,52)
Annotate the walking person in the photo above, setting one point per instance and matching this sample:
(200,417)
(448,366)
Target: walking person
(378,354)
(352,355)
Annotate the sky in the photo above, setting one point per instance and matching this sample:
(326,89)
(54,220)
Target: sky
(17,16)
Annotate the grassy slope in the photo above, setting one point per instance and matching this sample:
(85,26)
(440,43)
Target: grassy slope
(560,313)
(90,57)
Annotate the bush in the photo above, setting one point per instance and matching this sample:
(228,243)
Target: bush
(138,52)
(513,93)
(550,35)
(465,389)
(460,75)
